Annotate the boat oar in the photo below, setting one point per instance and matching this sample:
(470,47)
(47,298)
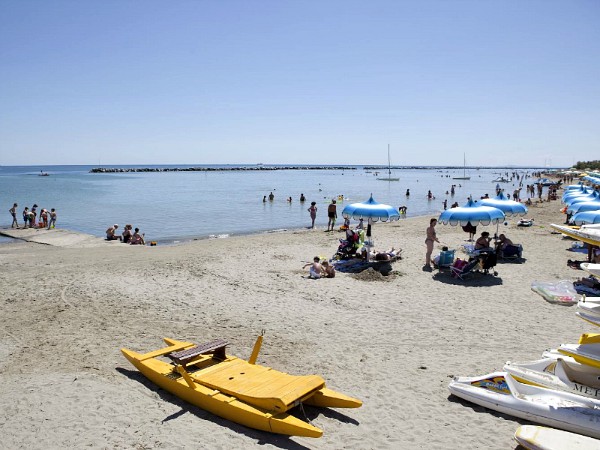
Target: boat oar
(256,348)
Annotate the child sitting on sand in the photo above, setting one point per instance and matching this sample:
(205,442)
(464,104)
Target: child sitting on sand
(328,270)
(315,268)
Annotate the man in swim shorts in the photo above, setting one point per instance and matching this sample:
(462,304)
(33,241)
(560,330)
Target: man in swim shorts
(332,214)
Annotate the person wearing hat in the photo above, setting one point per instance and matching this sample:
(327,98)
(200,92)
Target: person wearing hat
(332,214)
(110,233)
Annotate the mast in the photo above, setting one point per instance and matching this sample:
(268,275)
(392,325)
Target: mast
(389,163)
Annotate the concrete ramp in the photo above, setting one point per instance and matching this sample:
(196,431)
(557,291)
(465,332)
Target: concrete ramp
(56,237)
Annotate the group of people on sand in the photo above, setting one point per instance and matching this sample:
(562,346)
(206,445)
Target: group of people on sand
(484,242)
(47,218)
(318,269)
(127,237)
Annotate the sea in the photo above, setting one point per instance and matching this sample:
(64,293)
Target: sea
(176,206)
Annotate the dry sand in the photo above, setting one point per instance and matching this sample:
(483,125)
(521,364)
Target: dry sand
(394,342)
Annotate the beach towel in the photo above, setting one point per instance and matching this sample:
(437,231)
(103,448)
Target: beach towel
(588,286)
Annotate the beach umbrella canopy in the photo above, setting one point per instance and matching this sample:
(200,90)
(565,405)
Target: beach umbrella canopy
(572,187)
(583,206)
(586,217)
(591,197)
(503,203)
(576,192)
(471,213)
(592,179)
(372,210)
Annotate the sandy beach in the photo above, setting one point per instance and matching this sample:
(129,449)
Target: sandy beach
(394,342)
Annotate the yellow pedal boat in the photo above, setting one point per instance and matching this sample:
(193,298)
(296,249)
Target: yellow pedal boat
(238,390)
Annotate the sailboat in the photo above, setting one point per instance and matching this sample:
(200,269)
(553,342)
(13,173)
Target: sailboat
(464,177)
(389,177)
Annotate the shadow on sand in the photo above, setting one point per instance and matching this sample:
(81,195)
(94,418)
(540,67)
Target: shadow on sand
(260,437)
(473,279)
(481,409)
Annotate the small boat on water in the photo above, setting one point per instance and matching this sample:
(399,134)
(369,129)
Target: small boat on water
(464,177)
(501,180)
(389,177)
(238,390)
(547,182)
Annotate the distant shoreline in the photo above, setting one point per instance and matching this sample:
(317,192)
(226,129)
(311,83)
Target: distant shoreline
(272,168)
(214,169)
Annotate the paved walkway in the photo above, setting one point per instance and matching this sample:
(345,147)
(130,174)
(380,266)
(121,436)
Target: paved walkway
(55,237)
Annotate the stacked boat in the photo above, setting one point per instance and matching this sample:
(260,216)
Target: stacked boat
(561,390)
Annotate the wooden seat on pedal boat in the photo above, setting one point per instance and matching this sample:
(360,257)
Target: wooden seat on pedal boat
(257,385)
(216,348)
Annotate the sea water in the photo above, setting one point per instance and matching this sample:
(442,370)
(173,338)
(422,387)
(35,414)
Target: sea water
(179,206)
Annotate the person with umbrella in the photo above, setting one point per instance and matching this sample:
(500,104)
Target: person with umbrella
(429,240)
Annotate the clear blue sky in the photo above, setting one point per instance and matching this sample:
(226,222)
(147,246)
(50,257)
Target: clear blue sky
(316,82)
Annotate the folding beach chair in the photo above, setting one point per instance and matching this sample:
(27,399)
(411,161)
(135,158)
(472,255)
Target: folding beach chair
(445,259)
(512,252)
(460,271)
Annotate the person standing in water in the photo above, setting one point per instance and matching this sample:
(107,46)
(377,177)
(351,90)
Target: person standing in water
(429,240)
(52,222)
(313,213)
(13,213)
(332,214)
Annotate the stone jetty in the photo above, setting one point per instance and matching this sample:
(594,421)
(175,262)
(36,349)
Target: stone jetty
(214,169)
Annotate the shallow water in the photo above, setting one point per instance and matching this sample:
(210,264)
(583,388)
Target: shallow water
(175,206)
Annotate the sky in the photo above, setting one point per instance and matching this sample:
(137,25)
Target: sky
(511,82)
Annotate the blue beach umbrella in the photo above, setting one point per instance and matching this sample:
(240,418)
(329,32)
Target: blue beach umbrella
(586,217)
(574,186)
(471,213)
(591,197)
(576,192)
(583,207)
(592,179)
(506,205)
(372,210)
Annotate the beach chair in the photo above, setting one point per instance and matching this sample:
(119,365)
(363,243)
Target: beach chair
(461,270)
(512,252)
(445,259)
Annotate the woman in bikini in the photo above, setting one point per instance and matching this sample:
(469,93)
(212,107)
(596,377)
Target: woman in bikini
(429,240)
